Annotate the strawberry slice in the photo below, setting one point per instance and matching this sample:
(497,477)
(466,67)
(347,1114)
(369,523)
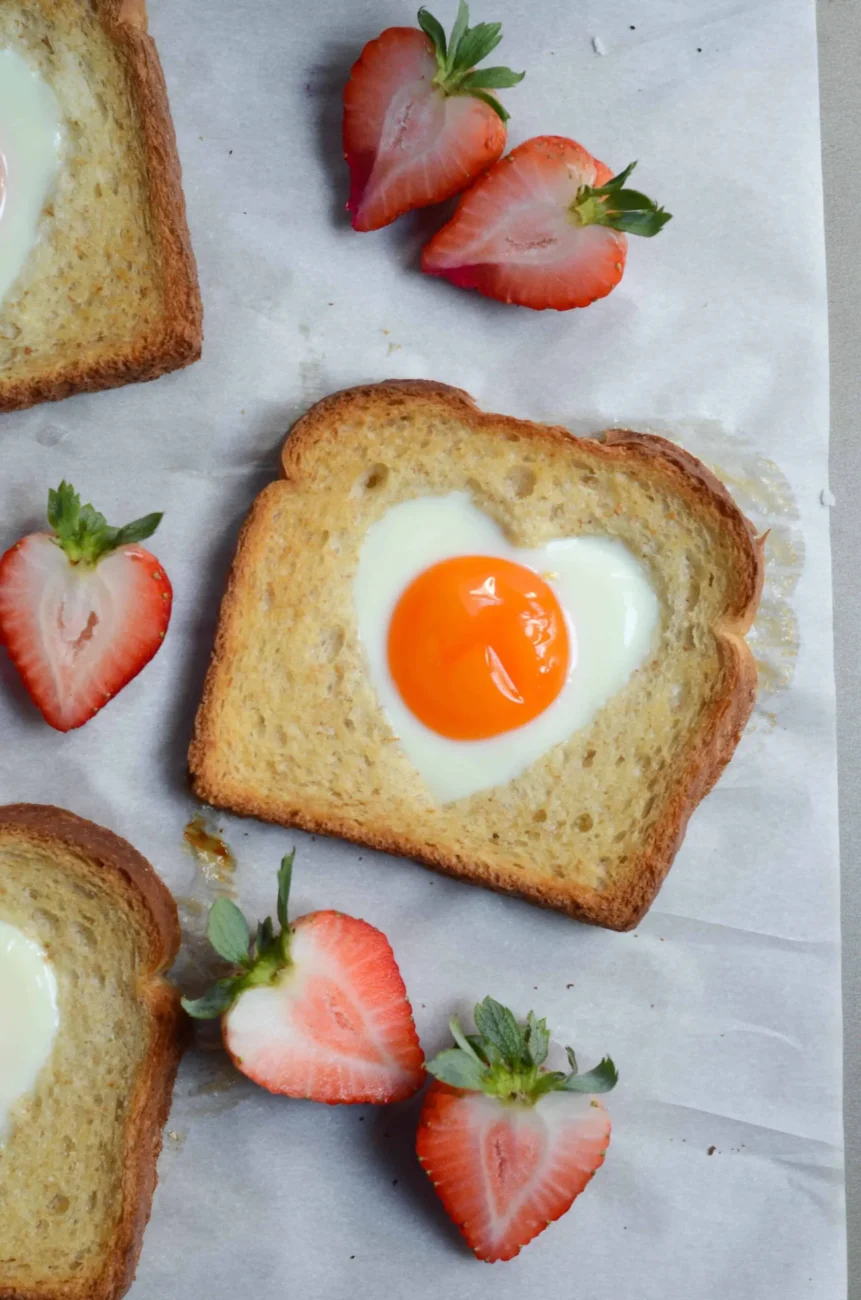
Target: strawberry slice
(82,609)
(544,227)
(508,1144)
(419,121)
(318,1010)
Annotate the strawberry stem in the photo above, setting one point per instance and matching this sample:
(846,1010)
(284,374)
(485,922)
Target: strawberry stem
(505,1059)
(620,209)
(456,58)
(254,964)
(84,534)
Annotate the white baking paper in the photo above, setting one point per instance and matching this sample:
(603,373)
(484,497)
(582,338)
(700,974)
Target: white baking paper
(722,1010)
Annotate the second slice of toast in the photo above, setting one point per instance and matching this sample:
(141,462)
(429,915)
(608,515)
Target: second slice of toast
(290,729)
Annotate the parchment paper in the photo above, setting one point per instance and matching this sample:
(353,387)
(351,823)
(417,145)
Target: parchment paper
(722,1010)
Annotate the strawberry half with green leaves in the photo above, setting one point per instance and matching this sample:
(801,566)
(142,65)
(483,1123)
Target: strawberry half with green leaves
(508,1144)
(318,1010)
(419,119)
(82,609)
(544,227)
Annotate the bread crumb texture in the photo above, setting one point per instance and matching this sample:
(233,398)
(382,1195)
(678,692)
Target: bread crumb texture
(77,1166)
(109,292)
(290,728)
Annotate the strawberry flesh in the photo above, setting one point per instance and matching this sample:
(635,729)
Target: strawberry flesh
(316,1009)
(77,633)
(336,1025)
(504,1171)
(406,142)
(507,1143)
(513,236)
(420,121)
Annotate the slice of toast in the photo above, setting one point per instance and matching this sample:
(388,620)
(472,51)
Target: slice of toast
(109,292)
(290,729)
(78,1160)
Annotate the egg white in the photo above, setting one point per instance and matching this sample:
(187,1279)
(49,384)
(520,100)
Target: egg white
(610,608)
(31,142)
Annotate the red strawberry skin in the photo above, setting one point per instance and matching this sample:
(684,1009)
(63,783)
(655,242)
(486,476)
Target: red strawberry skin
(406,142)
(78,633)
(336,1026)
(512,237)
(504,1171)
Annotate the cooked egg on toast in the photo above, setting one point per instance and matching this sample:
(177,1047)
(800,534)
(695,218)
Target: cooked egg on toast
(513,654)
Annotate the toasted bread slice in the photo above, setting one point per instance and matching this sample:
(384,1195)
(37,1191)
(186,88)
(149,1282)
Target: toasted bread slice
(78,1162)
(290,729)
(109,292)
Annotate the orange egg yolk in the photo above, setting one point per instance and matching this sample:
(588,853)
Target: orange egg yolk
(478,646)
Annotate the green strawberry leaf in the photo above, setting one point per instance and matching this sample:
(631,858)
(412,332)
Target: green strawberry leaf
(475,44)
(627,201)
(602,1079)
(497,1026)
(64,507)
(610,205)
(84,534)
(464,1041)
(433,28)
(456,60)
(457,1068)
(214,1002)
(491,79)
(537,1039)
(492,102)
(461,24)
(647,223)
(138,531)
(505,1059)
(285,876)
(547,1081)
(616,182)
(227,931)
(479,1048)
(265,938)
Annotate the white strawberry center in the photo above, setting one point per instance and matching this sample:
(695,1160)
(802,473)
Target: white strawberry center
(512,1153)
(78,612)
(530,1155)
(332,1020)
(414,124)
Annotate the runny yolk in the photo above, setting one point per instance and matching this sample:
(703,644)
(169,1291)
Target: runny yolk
(478,646)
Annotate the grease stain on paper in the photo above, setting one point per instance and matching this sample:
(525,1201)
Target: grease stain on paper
(219,1091)
(213,854)
(761,489)
(763,492)
(198,965)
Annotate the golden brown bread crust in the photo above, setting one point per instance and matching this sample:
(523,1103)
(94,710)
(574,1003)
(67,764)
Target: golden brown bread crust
(179,339)
(721,725)
(132,876)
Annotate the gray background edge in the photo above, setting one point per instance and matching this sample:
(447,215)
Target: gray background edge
(839,32)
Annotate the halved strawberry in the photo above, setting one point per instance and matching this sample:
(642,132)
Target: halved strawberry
(507,1144)
(544,227)
(419,122)
(82,609)
(318,1010)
